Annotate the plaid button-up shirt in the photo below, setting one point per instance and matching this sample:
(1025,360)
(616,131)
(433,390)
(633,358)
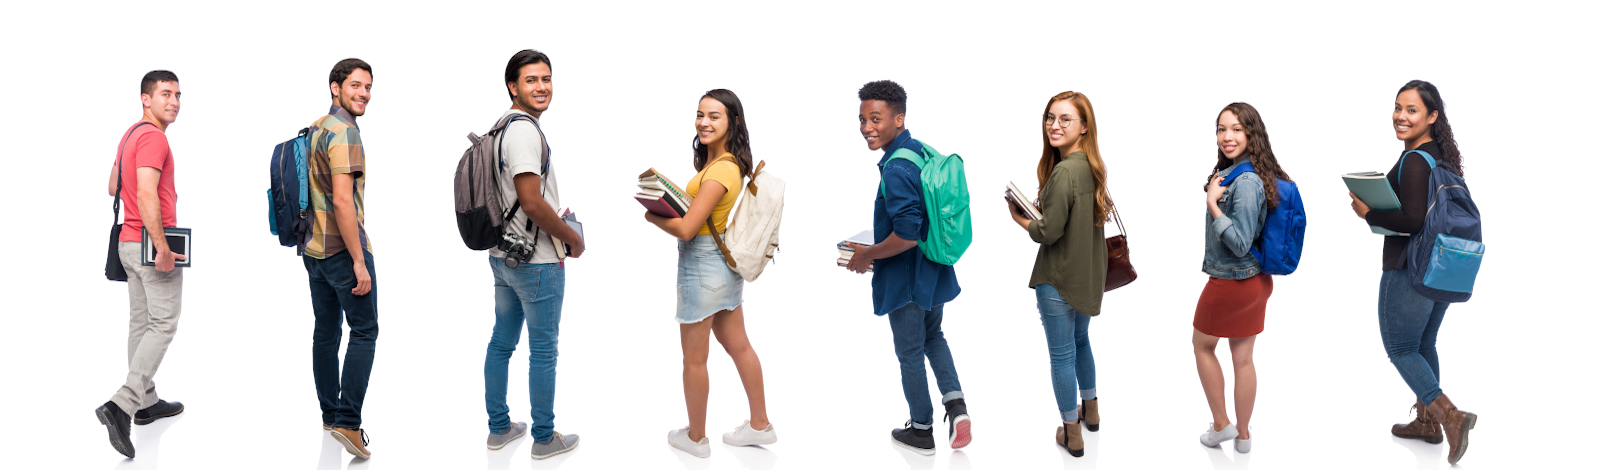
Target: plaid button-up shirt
(335,150)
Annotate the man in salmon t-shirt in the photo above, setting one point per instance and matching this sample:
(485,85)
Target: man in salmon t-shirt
(155,293)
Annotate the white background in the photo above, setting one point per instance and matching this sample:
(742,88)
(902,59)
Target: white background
(1518,80)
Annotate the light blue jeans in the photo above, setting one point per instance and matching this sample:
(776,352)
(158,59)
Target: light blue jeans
(1066,331)
(528,294)
(1409,324)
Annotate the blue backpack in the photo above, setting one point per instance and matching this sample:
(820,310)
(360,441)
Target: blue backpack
(287,196)
(1445,255)
(1278,245)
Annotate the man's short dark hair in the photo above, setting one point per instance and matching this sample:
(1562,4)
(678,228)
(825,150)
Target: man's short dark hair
(887,91)
(523,58)
(343,69)
(148,84)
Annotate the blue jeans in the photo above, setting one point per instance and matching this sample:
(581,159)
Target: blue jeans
(1066,331)
(531,294)
(917,335)
(331,300)
(1409,324)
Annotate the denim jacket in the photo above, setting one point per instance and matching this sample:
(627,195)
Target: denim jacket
(1229,238)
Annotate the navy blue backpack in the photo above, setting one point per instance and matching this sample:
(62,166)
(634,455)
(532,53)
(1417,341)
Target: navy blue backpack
(1445,255)
(287,196)
(1278,245)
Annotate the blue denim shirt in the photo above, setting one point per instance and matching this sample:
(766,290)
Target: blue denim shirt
(909,276)
(1228,238)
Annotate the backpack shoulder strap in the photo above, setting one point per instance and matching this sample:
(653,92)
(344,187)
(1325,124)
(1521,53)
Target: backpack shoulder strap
(1431,163)
(1239,170)
(711,227)
(116,200)
(900,154)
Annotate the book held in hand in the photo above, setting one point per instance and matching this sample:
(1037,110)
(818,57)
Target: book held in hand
(1373,189)
(178,240)
(660,196)
(1019,200)
(846,252)
(571,218)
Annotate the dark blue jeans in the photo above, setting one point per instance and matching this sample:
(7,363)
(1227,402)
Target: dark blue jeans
(529,294)
(331,281)
(1409,324)
(917,334)
(1066,332)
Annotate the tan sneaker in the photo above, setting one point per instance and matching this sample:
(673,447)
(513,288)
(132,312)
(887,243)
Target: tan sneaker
(354,440)
(1424,427)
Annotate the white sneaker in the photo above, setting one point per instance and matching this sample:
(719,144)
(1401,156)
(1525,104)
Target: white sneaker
(1213,438)
(1241,445)
(744,435)
(679,439)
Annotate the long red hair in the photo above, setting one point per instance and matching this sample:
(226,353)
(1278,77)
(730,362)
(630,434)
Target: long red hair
(1089,143)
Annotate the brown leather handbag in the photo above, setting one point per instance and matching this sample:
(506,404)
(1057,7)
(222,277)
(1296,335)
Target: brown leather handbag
(1119,270)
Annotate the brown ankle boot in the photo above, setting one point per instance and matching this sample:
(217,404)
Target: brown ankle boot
(1456,424)
(1424,427)
(1091,414)
(1070,437)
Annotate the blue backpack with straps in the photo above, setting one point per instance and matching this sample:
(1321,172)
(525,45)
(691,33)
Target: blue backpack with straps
(1284,234)
(287,195)
(1445,255)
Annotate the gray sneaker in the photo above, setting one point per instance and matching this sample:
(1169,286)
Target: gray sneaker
(517,430)
(558,445)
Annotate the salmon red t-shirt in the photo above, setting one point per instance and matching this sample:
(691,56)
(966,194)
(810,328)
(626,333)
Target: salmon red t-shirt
(146,148)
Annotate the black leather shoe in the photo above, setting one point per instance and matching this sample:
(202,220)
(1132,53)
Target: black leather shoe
(116,422)
(161,409)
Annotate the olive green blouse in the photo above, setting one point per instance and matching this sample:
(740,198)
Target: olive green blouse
(1072,249)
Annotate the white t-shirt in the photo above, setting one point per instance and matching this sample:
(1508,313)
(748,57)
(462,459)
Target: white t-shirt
(523,150)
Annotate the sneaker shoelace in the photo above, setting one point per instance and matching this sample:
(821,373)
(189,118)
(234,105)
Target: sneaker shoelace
(364,441)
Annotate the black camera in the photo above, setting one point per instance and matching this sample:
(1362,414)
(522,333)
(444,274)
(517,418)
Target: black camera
(518,249)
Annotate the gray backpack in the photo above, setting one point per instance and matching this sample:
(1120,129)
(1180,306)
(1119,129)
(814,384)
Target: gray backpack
(479,213)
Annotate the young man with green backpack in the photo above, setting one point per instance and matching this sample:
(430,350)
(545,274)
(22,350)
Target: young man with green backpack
(921,226)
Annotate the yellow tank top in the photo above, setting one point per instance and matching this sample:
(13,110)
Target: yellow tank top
(722,170)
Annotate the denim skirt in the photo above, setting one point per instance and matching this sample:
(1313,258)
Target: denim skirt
(705,283)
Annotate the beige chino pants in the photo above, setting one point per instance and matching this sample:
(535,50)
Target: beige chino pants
(154,301)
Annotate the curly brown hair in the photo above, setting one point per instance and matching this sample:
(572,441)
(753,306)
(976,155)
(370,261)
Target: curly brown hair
(1258,148)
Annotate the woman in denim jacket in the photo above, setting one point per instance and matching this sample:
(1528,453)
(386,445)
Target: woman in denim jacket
(1234,302)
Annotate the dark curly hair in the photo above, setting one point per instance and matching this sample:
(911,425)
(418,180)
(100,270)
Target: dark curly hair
(1258,148)
(887,91)
(738,140)
(1440,129)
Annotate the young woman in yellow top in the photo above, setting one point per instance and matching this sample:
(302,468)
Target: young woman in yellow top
(707,288)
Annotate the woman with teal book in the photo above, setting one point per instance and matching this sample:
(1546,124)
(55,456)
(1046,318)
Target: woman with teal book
(1409,322)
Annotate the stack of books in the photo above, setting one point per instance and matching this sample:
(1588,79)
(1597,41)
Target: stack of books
(1017,198)
(571,218)
(660,196)
(846,252)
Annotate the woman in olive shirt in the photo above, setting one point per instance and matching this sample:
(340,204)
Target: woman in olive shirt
(1069,274)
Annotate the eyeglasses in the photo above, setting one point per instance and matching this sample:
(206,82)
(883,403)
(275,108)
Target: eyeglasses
(1050,120)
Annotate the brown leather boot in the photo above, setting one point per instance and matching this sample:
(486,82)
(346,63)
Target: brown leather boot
(1091,414)
(1456,424)
(1070,437)
(1424,427)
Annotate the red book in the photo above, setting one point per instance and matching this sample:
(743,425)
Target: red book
(657,205)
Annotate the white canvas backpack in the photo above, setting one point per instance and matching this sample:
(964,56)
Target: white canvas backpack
(752,235)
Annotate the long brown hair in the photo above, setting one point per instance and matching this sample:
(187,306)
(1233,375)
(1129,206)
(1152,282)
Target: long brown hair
(737,142)
(1257,147)
(1089,143)
(1440,130)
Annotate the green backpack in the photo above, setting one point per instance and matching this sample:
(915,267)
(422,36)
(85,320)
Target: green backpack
(944,192)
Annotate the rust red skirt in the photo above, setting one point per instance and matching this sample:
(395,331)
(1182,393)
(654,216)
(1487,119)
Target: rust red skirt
(1233,309)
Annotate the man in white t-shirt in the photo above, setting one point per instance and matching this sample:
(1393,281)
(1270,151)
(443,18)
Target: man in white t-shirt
(528,283)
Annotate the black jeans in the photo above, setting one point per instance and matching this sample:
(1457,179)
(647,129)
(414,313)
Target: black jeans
(331,281)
